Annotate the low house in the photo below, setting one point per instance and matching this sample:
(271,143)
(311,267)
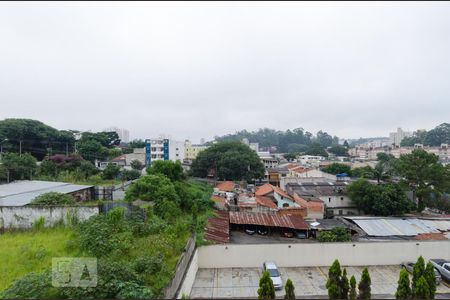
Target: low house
(280,197)
(315,208)
(332,193)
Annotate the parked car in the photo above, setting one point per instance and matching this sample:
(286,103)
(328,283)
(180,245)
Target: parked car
(251,230)
(409,266)
(443,266)
(262,231)
(274,274)
(301,235)
(287,233)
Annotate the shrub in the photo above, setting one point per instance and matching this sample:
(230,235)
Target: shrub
(430,277)
(148,264)
(289,290)
(132,290)
(422,290)
(31,286)
(111,172)
(54,198)
(39,223)
(352,295)
(172,170)
(338,234)
(364,285)
(403,289)
(266,289)
(334,280)
(130,174)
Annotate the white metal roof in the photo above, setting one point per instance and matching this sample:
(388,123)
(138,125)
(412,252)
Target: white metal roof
(394,226)
(20,193)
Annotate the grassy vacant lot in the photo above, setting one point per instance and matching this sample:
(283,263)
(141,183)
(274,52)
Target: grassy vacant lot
(32,251)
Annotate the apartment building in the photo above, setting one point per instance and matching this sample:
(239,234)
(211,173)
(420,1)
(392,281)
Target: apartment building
(396,138)
(192,150)
(163,149)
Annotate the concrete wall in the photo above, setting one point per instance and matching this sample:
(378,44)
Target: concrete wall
(189,278)
(320,254)
(23,217)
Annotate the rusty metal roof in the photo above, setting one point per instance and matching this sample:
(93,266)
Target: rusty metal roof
(268,219)
(218,228)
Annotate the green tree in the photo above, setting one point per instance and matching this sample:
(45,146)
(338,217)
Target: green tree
(91,150)
(418,271)
(344,285)
(363,172)
(54,198)
(130,174)
(431,279)
(266,289)
(111,171)
(172,170)
(19,166)
(87,169)
(364,285)
(338,150)
(403,288)
(437,136)
(324,138)
(289,290)
(334,281)
(422,290)
(337,168)
(381,200)
(352,294)
(31,286)
(228,161)
(48,168)
(136,165)
(317,149)
(422,172)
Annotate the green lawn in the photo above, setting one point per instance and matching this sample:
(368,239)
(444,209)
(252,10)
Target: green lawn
(31,251)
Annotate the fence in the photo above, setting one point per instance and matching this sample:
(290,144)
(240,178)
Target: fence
(23,217)
(181,269)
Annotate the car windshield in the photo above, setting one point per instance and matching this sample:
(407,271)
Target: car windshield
(273,272)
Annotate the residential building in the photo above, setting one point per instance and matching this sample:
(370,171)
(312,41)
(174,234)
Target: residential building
(163,149)
(396,138)
(123,133)
(192,150)
(310,160)
(332,193)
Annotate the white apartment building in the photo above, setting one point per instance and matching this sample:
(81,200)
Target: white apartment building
(192,150)
(124,134)
(396,138)
(310,160)
(163,149)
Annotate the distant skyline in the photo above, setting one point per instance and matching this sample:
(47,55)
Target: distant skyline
(196,70)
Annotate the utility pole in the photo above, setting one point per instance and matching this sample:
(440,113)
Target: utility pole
(20,147)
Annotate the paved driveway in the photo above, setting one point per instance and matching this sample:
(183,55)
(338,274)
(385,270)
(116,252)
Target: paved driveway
(308,281)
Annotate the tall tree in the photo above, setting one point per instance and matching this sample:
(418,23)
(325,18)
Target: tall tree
(228,161)
(266,289)
(289,290)
(430,277)
(418,271)
(403,288)
(364,285)
(334,281)
(337,168)
(317,149)
(344,285)
(422,172)
(172,170)
(352,294)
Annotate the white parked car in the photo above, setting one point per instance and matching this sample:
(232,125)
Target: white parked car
(275,275)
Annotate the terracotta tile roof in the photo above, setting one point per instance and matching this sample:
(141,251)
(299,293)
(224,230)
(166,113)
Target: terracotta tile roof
(226,186)
(264,190)
(316,206)
(431,236)
(281,192)
(266,201)
(119,158)
(268,219)
(218,228)
(216,198)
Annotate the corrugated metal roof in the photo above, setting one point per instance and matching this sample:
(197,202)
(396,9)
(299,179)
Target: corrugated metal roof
(442,225)
(218,228)
(393,226)
(268,219)
(21,193)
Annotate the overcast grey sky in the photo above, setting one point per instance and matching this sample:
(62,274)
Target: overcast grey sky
(193,70)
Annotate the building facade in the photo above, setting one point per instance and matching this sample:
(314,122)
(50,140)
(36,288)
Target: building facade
(396,138)
(192,150)
(163,149)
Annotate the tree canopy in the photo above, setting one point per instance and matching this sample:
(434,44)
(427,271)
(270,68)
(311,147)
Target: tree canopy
(229,161)
(337,168)
(380,200)
(172,170)
(435,137)
(54,198)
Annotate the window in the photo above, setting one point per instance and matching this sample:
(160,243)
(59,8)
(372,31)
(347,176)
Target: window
(329,200)
(340,212)
(285,204)
(342,198)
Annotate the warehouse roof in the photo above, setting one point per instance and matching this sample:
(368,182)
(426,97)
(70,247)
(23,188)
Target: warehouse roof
(20,193)
(394,226)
